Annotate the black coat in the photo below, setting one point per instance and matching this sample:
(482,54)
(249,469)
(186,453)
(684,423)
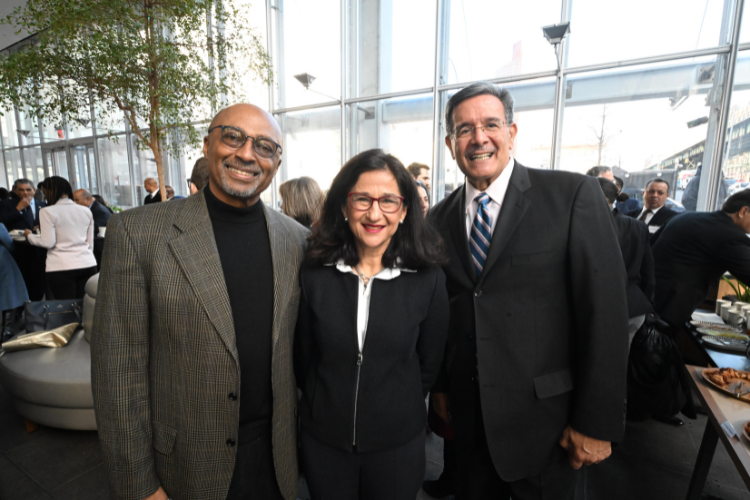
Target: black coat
(544,326)
(101,216)
(403,349)
(660,218)
(690,254)
(152,198)
(633,237)
(13,219)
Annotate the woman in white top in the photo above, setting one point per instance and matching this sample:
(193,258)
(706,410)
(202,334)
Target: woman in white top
(67,232)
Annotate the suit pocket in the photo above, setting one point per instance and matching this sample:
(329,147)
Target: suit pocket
(164,438)
(553,384)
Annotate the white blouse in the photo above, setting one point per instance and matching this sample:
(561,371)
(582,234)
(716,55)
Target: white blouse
(363,297)
(67,231)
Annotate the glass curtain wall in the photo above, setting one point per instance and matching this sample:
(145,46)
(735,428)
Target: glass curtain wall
(634,94)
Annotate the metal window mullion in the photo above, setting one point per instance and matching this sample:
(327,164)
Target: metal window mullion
(438,187)
(561,56)
(342,93)
(709,187)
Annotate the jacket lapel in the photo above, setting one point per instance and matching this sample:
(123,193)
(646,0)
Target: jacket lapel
(195,251)
(514,207)
(283,279)
(458,233)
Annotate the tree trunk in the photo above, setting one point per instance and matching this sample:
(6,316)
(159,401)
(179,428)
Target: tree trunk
(155,145)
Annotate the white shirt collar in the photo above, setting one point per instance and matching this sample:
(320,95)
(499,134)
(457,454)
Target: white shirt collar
(653,210)
(387,273)
(496,191)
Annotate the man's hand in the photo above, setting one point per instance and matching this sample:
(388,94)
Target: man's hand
(159,494)
(25,202)
(442,406)
(583,450)
(27,232)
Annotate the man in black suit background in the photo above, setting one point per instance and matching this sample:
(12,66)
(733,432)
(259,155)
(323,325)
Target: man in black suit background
(154,194)
(101,216)
(654,214)
(22,212)
(633,237)
(693,251)
(535,364)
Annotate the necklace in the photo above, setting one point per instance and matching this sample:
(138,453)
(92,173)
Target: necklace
(365,279)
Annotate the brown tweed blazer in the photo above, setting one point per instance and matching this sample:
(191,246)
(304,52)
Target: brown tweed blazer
(164,358)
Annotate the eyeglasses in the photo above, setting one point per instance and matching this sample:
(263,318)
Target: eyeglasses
(491,129)
(388,204)
(189,183)
(236,137)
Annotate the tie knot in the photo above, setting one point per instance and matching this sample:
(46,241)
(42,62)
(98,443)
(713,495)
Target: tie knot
(483,198)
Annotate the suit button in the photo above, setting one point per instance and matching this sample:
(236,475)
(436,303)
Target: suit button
(478,293)
(232,396)
(231,442)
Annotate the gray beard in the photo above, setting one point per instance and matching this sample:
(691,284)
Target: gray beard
(238,193)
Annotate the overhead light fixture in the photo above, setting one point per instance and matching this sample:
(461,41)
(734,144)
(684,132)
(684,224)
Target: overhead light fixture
(83,121)
(696,122)
(23,132)
(305,79)
(554,33)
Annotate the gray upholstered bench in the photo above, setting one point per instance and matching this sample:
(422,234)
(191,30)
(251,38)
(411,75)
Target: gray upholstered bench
(52,386)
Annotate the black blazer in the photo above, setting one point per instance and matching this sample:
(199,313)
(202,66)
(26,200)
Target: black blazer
(101,216)
(544,326)
(690,254)
(403,349)
(660,218)
(152,198)
(633,237)
(13,219)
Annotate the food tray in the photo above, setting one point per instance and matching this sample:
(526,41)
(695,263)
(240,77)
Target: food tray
(741,382)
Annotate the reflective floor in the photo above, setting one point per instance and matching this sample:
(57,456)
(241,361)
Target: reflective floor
(654,462)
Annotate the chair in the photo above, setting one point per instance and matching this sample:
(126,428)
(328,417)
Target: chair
(52,386)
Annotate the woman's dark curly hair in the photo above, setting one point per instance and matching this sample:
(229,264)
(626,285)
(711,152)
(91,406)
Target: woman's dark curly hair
(415,245)
(56,187)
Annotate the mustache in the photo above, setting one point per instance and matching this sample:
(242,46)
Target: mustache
(237,163)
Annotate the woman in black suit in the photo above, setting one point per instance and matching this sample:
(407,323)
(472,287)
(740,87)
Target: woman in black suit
(370,335)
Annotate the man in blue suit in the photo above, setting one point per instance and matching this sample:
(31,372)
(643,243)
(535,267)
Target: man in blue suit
(22,212)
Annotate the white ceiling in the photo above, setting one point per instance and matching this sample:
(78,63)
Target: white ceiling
(7,33)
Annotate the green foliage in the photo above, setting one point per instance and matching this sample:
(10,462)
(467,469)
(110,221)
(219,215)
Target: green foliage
(151,59)
(742,291)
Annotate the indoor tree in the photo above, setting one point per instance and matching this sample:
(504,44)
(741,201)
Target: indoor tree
(162,63)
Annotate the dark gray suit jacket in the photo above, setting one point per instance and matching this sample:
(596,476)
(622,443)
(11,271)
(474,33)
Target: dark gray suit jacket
(164,357)
(544,326)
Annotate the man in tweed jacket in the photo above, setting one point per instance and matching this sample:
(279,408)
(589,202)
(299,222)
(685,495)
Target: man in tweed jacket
(166,367)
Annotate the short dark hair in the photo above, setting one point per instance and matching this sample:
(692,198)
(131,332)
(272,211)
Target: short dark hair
(735,202)
(199,177)
(56,187)
(620,183)
(4,194)
(656,179)
(416,168)
(22,181)
(597,171)
(416,244)
(474,90)
(609,188)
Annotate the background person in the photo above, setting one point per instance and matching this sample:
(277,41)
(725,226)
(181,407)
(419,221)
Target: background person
(154,194)
(625,203)
(372,268)
(67,232)
(101,217)
(4,194)
(420,172)
(601,171)
(654,214)
(103,202)
(302,200)
(12,288)
(199,177)
(424,197)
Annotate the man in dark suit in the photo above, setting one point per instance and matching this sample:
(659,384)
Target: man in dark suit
(534,369)
(154,194)
(694,250)
(654,214)
(22,212)
(101,216)
(633,237)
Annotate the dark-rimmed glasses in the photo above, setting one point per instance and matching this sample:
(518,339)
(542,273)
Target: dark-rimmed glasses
(388,204)
(490,128)
(236,137)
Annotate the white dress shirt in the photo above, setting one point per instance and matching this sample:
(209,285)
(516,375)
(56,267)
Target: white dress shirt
(496,191)
(67,231)
(651,229)
(363,297)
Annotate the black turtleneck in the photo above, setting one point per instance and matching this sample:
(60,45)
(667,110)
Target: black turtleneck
(245,252)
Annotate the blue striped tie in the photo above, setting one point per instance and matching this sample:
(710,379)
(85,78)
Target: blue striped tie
(480,233)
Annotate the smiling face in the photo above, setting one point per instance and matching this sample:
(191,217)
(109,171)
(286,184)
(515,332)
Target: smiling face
(239,176)
(483,154)
(655,195)
(373,228)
